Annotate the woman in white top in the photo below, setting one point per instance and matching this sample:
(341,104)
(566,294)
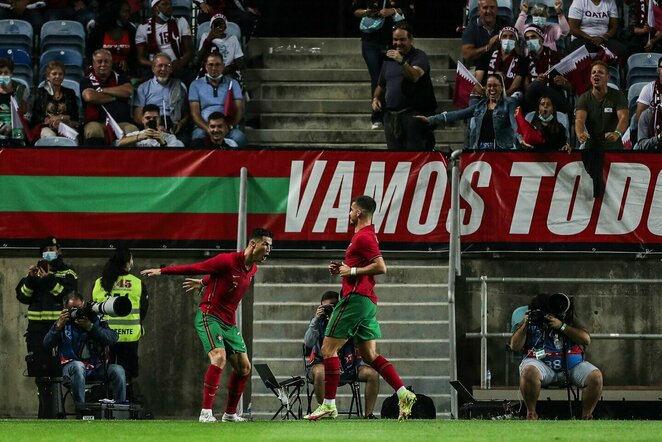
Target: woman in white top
(594,23)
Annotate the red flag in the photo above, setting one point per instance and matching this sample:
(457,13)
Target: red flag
(576,68)
(627,141)
(464,84)
(530,135)
(229,107)
(112,130)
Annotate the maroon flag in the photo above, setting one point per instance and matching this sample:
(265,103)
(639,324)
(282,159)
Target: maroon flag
(627,141)
(576,68)
(530,135)
(464,84)
(229,107)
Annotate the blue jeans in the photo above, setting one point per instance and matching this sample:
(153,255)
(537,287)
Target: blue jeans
(373,54)
(75,372)
(234,134)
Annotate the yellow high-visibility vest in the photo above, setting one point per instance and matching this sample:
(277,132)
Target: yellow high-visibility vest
(128,327)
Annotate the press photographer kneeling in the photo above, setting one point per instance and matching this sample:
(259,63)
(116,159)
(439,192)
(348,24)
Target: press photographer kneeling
(82,337)
(551,342)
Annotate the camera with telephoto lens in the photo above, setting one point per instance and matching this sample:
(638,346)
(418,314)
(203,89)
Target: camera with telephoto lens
(328,309)
(557,305)
(537,317)
(115,306)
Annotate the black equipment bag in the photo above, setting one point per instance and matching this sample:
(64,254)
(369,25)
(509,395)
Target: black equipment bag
(423,407)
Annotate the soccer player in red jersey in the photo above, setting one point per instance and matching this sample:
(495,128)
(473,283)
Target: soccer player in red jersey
(228,277)
(355,316)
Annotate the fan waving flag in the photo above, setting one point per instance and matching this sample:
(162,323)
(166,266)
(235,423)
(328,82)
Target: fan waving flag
(464,84)
(576,68)
(20,129)
(627,141)
(113,131)
(530,135)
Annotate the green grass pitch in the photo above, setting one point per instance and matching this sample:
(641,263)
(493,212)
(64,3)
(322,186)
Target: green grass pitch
(338,430)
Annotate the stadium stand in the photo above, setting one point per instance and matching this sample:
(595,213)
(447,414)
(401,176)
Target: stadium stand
(16,34)
(62,34)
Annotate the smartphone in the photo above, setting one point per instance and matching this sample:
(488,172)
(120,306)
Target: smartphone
(151,124)
(44,265)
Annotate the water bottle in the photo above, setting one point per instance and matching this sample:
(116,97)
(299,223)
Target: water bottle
(488,379)
(249,411)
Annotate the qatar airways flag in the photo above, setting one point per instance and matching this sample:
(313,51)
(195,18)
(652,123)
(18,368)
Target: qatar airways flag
(464,84)
(576,68)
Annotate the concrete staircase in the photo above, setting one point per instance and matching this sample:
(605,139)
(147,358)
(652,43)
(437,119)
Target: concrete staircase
(412,312)
(302,98)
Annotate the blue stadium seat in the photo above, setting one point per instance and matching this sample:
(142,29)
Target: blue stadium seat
(22,63)
(73,62)
(55,141)
(642,67)
(62,34)
(16,34)
(182,8)
(233,29)
(203,28)
(633,94)
(517,317)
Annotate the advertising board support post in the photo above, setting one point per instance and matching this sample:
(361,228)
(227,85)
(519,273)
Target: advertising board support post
(241,240)
(453,269)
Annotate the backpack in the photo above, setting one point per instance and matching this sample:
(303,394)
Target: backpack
(423,407)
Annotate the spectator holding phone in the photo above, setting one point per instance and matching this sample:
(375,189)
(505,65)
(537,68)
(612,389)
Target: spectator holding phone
(153,135)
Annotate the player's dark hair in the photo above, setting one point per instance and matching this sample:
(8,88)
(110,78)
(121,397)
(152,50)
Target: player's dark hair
(259,232)
(115,267)
(366,203)
(330,295)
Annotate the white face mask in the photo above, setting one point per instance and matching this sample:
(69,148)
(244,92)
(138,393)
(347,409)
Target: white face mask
(214,78)
(539,21)
(49,256)
(164,17)
(507,46)
(546,119)
(533,45)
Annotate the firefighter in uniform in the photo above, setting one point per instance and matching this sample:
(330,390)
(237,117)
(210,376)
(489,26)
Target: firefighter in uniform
(117,281)
(43,290)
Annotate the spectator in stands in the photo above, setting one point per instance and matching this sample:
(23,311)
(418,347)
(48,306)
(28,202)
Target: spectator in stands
(154,134)
(642,37)
(651,94)
(539,17)
(493,125)
(28,10)
(237,12)
(217,40)
(168,94)
(551,342)
(545,121)
(218,131)
(105,88)
(114,31)
(208,94)
(536,83)
(482,35)
(53,104)
(8,89)
(649,129)
(404,89)
(165,33)
(594,23)
(350,361)
(602,114)
(81,342)
(505,60)
(375,43)
(76,10)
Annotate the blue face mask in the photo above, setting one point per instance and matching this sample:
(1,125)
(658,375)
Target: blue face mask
(49,256)
(539,21)
(533,45)
(163,17)
(546,119)
(507,46)
(5,80)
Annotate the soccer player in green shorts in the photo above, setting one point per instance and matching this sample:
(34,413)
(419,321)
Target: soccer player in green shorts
(355,316)
(228,277)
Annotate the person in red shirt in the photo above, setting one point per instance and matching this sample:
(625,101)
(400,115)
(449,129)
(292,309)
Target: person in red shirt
(228,277)
(355,316)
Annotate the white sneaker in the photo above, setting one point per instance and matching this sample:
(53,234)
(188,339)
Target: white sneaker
(376,125)
(233,418)
(206,417)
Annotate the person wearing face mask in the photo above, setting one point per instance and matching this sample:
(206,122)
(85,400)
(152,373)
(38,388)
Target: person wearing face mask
(117,280)
(169,94)
(165,33)
(539,81)
(494,126)
(42,290)
(208,94)
(9,89)
(545,121)
(217,40)
(539,14)
(505,60)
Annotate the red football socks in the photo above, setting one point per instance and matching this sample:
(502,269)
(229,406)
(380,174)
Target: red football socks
(212,379)
(331,377)
(235,389)
(387,371)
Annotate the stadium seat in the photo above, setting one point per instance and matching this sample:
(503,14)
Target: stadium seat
(614,75)
(203,28)
(71,84)
(233,29)
(642,67)
(182,8)
(28,86)
(563,119)
(55,141)
(504,9)
(73,62)
(16,34)
(633,93)
(62,34)
(22,63)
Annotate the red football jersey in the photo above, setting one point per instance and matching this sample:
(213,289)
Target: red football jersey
(363,249)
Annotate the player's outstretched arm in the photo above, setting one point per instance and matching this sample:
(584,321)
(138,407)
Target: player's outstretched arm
(192,284)
(151,272)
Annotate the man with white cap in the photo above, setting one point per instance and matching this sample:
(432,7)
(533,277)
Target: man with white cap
(217,40)
(165,33)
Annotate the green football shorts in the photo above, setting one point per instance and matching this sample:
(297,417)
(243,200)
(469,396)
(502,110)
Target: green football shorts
(355,316)
(215,333)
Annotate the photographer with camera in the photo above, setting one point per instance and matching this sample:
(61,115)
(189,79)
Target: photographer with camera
(350,361)
(153,135)
(82,338)
(42,290)
(551,342)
